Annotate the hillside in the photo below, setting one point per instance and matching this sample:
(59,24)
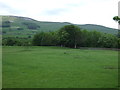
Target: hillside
(99,28)
(23,26)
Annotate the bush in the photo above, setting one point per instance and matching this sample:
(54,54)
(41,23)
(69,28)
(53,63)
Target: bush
(6,24)
(31,25)
(20,29)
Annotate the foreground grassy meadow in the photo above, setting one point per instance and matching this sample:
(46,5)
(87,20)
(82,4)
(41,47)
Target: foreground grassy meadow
(56,67)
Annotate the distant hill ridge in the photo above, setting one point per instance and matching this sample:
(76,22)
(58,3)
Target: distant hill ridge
(29,25)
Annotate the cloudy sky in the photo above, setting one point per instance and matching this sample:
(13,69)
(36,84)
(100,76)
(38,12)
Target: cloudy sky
(98,12)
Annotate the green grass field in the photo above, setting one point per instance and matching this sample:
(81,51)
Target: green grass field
(56,67)
(0,66)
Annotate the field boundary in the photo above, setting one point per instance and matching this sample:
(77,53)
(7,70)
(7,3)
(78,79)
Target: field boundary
(92,48)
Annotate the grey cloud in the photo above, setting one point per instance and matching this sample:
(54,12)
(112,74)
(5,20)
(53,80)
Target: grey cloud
(72,5)
(56,11)
(9,9)
(67,7)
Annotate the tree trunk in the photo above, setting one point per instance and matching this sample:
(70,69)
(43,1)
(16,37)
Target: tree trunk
(75,46)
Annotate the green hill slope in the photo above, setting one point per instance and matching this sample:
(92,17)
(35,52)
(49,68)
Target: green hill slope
(99,28)
(24,27)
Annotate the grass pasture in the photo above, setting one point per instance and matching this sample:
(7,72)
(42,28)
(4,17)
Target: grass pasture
(56,67)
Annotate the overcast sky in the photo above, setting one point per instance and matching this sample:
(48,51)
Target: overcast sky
(98,12)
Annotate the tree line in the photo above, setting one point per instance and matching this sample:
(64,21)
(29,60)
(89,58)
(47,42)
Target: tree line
(68,36)
(73,36)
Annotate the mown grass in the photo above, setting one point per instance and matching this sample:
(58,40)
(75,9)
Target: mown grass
(56,67)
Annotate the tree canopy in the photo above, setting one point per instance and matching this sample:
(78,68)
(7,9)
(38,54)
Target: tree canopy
(70,35)
(116,18)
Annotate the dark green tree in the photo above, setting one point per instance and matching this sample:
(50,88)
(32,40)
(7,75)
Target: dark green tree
(116,18)
(70,35)
(10,42)
(108,41)
(38,39)
(45,39)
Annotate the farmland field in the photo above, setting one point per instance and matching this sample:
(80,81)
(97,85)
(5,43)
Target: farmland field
(57,67)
